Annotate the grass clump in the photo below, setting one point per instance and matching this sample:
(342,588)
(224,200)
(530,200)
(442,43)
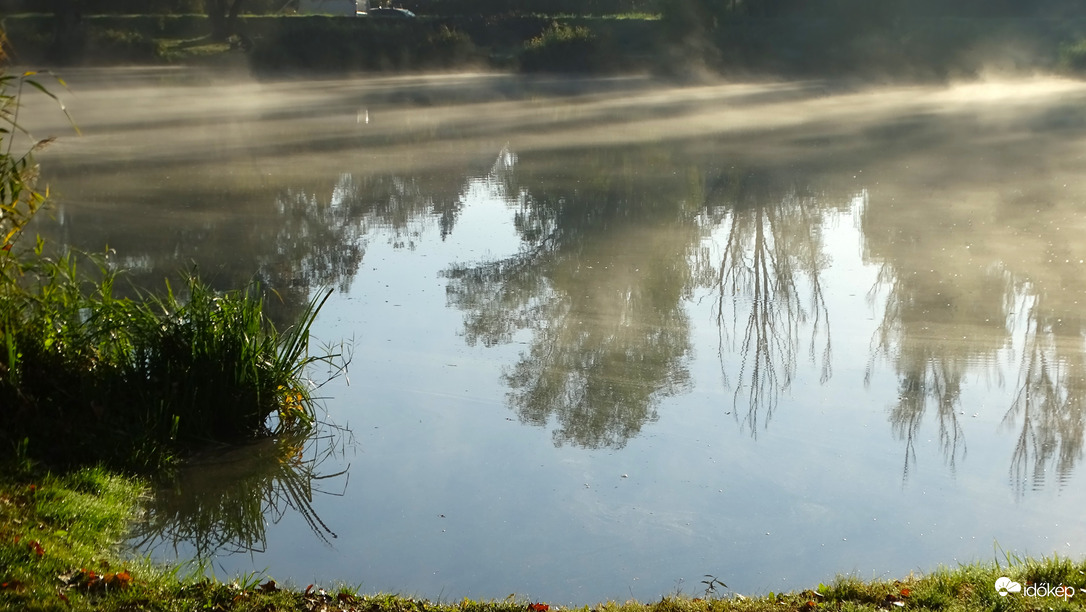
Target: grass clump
(1072,57)
(87,377)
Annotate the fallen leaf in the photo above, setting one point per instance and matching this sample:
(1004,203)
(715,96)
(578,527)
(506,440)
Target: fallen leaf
(269,587)
(119,580)
(538,607)
(12,585)
(905,592)
(36,547)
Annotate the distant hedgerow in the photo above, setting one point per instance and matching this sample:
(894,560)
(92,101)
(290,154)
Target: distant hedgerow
(561,48)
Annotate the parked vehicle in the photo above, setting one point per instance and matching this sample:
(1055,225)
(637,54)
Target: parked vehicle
(389,12)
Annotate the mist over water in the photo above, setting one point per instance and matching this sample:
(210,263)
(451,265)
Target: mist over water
(612,335)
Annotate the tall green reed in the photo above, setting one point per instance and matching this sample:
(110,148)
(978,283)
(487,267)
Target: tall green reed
(88,377)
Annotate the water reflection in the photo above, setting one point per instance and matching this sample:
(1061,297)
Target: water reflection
(767,280)
(609,257)
(1050,401)
(599,285)
(985,291)
(924,315)
(222,502)
(609,335)
(629,269)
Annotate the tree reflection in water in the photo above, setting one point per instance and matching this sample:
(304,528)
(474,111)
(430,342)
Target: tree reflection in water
(220,503)
(770,261)
(929,372)
(943,316)
(599,286)
(950,313)
(609,256)
(608,259)
(1050,399)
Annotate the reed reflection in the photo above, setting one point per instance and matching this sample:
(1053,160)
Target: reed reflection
(222,502)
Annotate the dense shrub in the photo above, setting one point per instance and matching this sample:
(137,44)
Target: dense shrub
(120,46)
(1073,56)
(330,44)
(561,48)
(449,48)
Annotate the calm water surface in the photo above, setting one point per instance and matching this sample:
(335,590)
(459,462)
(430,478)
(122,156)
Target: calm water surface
(610,336)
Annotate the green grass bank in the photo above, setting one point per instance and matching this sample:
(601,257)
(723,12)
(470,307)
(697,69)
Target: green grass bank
(59,550)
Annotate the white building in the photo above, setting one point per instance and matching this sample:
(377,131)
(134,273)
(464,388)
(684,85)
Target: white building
(332,7)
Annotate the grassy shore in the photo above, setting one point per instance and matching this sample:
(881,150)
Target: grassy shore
(59,538)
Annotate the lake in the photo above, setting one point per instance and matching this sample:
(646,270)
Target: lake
(611,337)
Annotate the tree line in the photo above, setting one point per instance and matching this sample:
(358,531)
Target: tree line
(858,11)
(142,7)
(715,8)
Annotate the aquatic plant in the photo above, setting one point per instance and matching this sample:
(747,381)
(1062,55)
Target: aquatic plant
(88,377)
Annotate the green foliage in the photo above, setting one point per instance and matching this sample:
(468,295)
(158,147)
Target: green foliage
(446,8)
(318,44)
(87,377)
(19,197)
(143,7)
(449,47)
(561,48)
(116,45)
(1073,56)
